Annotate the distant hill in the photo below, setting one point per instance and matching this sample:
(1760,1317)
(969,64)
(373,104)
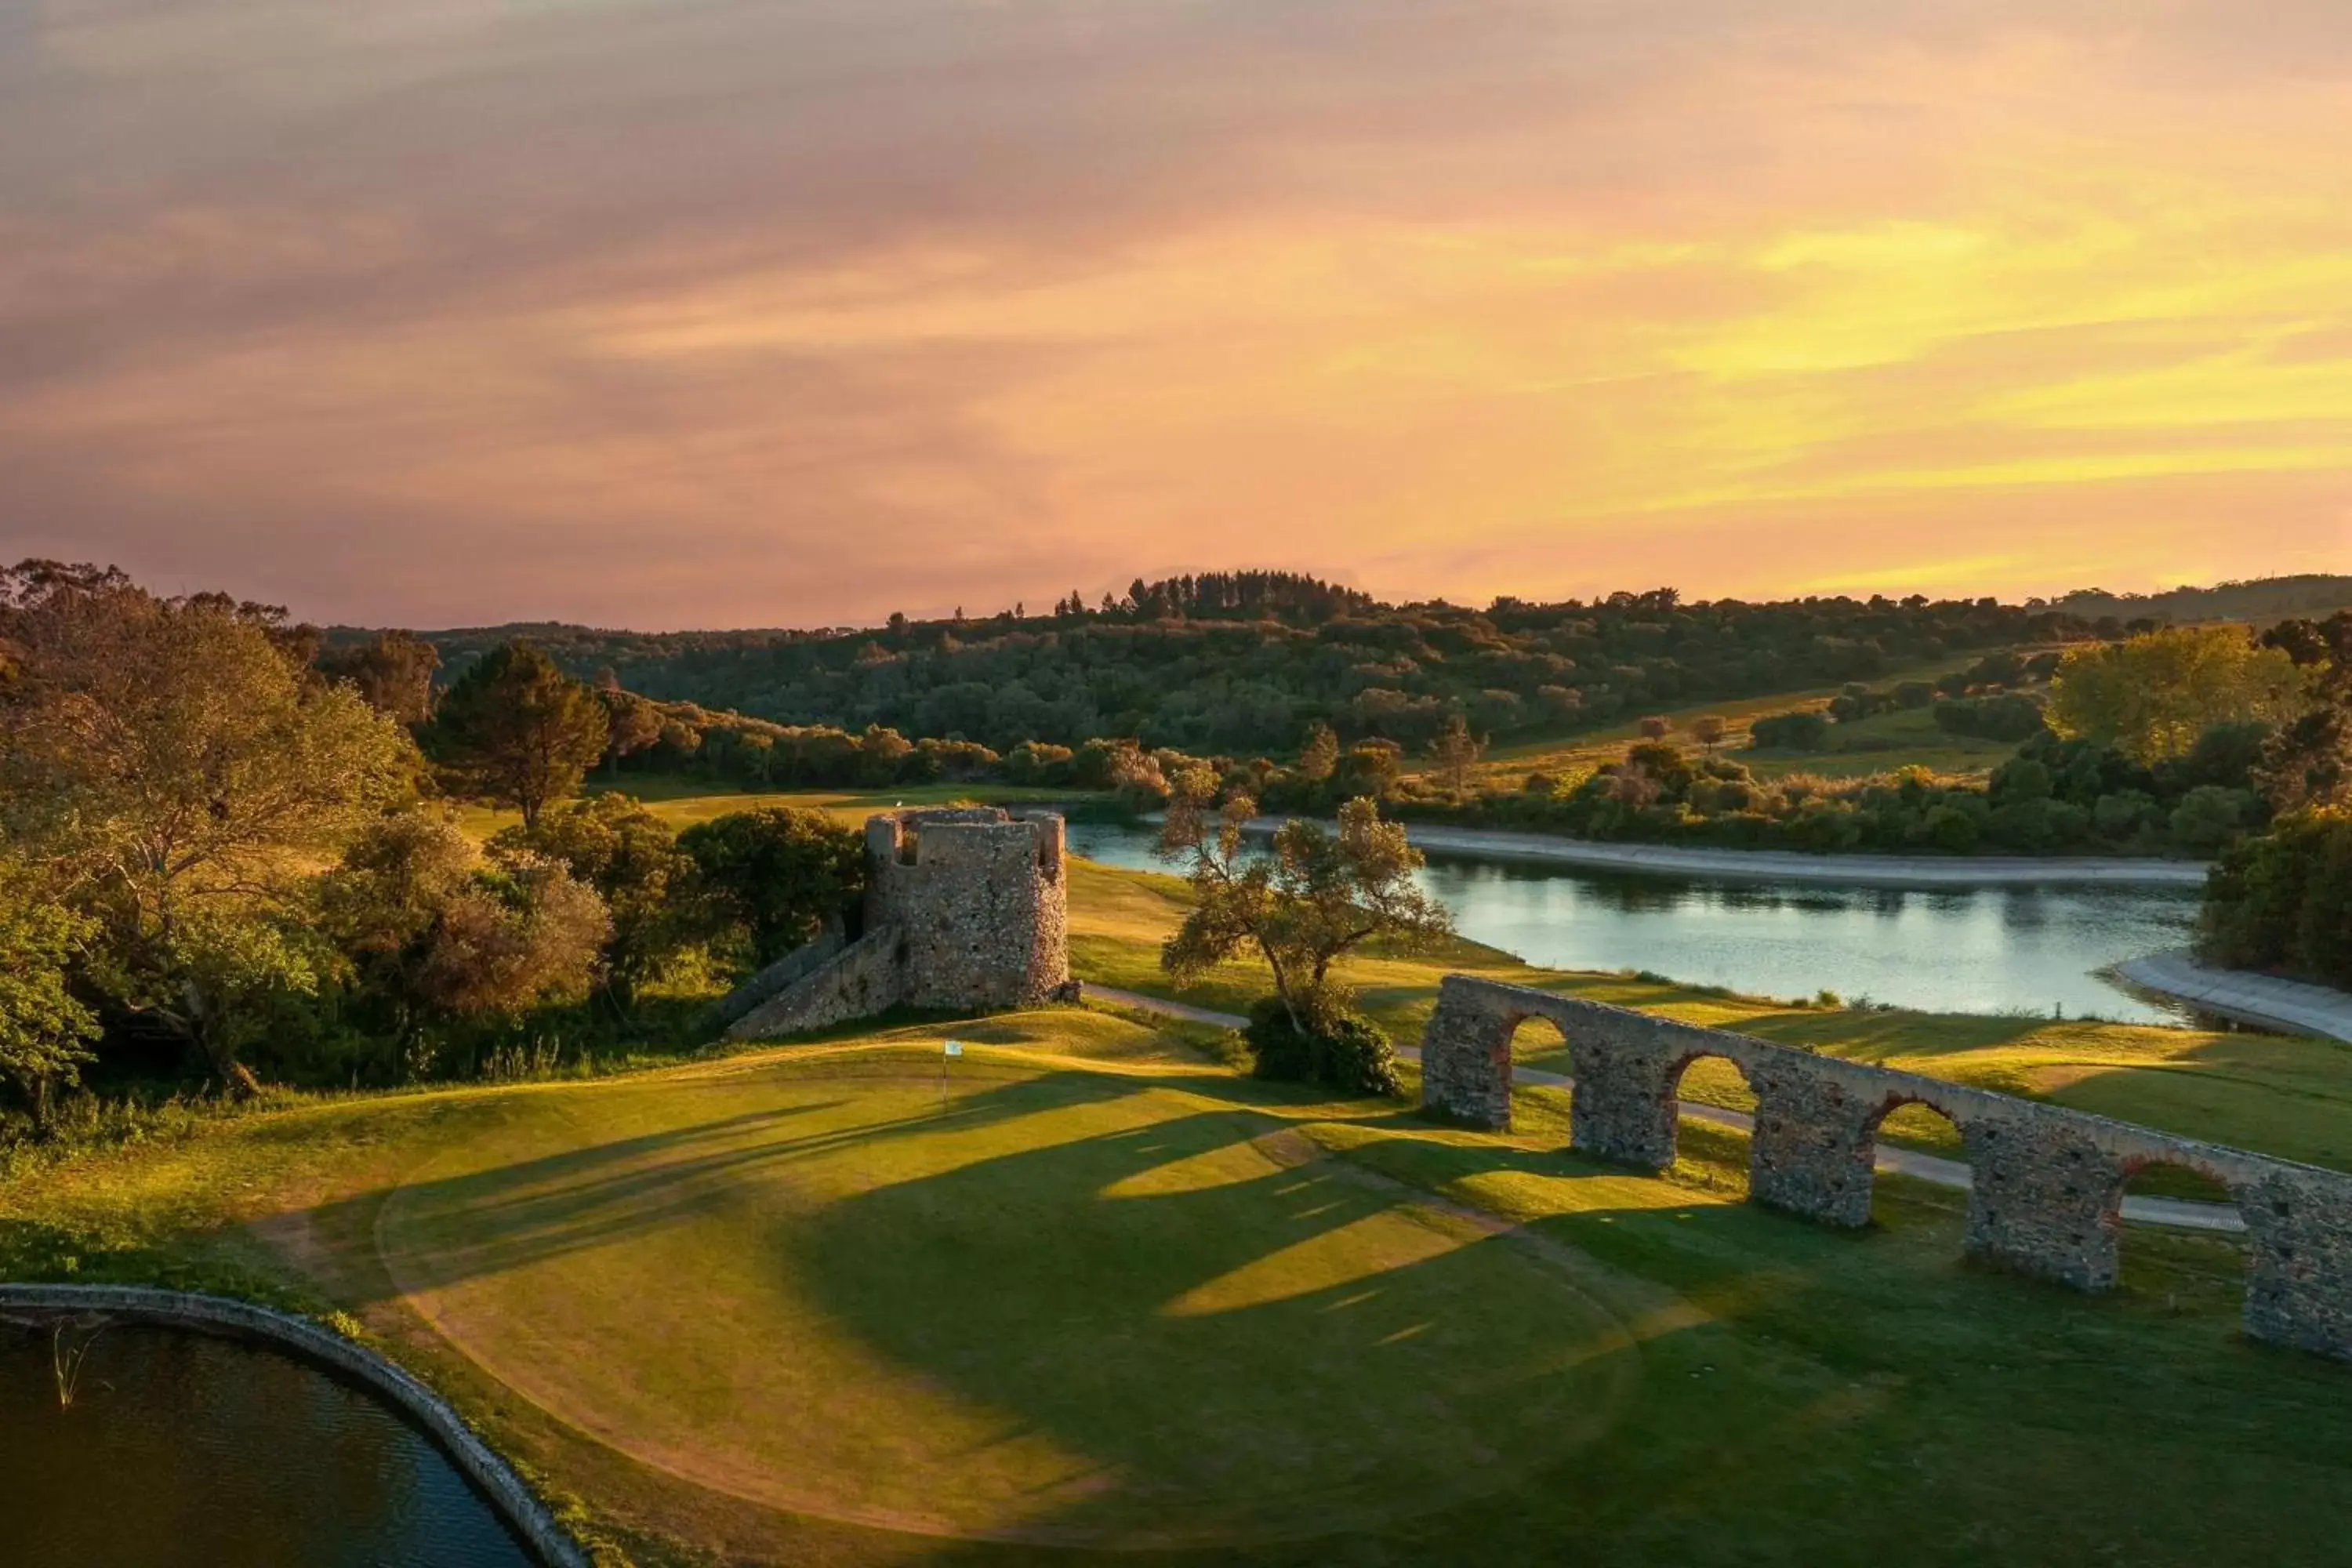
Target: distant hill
(2260,600)
(1243,663)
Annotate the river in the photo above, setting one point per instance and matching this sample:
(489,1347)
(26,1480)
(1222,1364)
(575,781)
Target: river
(1971,950)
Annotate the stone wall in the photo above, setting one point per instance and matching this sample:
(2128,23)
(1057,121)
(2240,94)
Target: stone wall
(966,910)
(786,972)
(2046,1183)
(866,977)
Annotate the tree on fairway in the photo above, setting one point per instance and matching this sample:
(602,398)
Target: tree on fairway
(1318,896)
(1656,727)
(1455,752)
(165,763)
(2151,696)
(1708,730)
(519,730)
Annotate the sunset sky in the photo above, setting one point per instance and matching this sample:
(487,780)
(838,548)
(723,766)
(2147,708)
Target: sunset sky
(756,312)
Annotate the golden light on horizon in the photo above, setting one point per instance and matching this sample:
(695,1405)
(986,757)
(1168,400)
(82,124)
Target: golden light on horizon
(692,315)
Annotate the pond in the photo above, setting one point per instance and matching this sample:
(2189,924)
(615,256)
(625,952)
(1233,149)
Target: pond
(185,1449)
(1968,950)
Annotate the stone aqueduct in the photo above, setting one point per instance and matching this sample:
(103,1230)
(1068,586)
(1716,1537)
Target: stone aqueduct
(2046,1182)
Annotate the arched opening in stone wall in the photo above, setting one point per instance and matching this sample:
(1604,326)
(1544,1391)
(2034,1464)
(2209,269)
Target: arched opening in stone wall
(1711,1081)
(1916,1138)
(2182,1240)
(1715,1112)
(1540,1047)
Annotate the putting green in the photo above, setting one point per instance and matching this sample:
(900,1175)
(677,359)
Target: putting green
(1054,1301)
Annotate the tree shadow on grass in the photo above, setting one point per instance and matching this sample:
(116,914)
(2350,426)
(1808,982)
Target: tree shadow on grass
(1202,1352)
(1183,1344)
(521,1212)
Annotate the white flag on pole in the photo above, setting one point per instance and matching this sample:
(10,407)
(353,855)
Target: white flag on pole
(955,1047)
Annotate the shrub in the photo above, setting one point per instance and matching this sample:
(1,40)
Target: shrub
(1803,732)
(1348,1051)
(2010,716)
(2123,815)
(2208,815)
(777,873)
(2284,900)
(1952,830)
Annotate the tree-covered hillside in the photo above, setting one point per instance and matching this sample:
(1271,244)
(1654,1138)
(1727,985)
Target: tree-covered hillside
(1246,662)
(2262,600)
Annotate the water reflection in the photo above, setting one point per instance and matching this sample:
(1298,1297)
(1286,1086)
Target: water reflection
(184,1448)
(1983,950)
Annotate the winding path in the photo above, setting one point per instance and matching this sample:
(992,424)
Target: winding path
(1933,1169)
(2238,993)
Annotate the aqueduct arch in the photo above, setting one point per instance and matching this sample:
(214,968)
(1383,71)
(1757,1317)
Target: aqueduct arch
(2046,1182)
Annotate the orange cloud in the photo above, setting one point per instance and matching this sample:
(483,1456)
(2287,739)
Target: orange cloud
(696,313)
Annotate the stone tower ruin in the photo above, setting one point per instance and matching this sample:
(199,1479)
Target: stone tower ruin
(966,910)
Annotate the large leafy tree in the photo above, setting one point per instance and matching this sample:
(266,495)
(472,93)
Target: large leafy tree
(1319,895)
(44,1029)
(2150,697)
(632,723)
(1455,753)
(171,765)
(2283,900)
(392,670)
(436,936)
(1320,754)
(2309,762)
(612,843)
(777,874)
(517,729)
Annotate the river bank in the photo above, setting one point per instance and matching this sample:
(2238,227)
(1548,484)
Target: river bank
(2023,948)
(2264,999)
(1789,866)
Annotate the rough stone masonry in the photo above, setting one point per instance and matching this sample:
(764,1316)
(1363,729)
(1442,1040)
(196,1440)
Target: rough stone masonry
(2046,1183)
(966,910)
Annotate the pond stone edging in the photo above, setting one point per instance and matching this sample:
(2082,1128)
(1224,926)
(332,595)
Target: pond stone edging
(489,1474)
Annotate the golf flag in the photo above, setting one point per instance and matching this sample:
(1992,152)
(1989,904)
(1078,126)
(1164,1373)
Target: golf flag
(955,1047)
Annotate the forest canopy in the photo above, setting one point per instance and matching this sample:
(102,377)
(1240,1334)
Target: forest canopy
(1251,661)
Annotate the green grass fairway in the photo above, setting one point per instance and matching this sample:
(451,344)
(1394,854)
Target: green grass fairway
(1049,1304)
(1103,1302)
